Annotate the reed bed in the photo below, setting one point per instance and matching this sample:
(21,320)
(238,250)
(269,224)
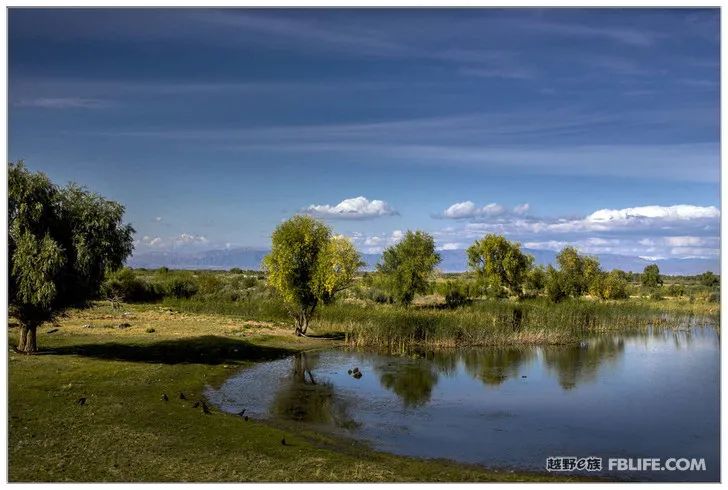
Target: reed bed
(484,322)
(503,322)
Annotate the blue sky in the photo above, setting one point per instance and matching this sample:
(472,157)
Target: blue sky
(598,128)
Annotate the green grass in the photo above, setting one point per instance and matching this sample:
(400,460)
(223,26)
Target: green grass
(484,322)
(125,432)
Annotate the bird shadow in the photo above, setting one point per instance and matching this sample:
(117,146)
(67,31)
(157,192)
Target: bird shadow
(208,349)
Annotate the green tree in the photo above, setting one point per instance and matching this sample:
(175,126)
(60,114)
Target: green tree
(535,280)
(709,279)
(651,276)
(554,285)
(308,266)
(61,243)
(612,285)
(499,263)
(407,266)
(577,271)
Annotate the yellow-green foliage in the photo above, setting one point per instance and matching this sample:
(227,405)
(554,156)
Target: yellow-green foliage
(499,263)
(307,266)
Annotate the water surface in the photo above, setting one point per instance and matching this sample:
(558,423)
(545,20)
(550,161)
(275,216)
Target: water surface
(651,395)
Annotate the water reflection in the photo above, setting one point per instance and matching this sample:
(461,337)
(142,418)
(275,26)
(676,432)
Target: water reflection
(507,406)
(580,363)
(494,365)
(301,398)
(411,379)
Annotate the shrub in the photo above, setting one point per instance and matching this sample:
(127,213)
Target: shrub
(180,287)
(236,270)
(124,285)
(455,294)
(614,286)
(676,290)
(555,288)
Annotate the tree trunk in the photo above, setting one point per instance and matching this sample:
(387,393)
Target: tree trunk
(30,344)
(23,338)
(27,342)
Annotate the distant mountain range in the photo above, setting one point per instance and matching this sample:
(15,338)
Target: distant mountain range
(452,261)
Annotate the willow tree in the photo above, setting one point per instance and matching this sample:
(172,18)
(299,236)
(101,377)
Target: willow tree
(308,266)
(499,264)
(408,266)
(61,242)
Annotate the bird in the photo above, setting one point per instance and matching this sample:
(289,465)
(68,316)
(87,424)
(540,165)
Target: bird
(246,418)
(197,404)
(205,409)
(349,371)
(182,396)
(356,370)
(283,441)
(241,413)
(165,397)
(357,375)
(81,401)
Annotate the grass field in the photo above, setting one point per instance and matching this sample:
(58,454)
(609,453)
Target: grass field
(126,432)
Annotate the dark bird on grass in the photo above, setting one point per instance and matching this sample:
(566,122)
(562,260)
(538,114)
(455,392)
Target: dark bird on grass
(205,409)
(182,396)
(81,401)
(242,412)
(165,397)
(283,442)
(246,418)
(197,404)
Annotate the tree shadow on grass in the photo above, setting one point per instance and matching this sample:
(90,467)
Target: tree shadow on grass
(208,349)
(328,336)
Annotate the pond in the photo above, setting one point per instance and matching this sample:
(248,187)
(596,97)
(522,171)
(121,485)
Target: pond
(648,395)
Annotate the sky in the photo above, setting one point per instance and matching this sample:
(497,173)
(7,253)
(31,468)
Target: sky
(597,128)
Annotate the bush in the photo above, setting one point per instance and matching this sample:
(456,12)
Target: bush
(455,294)
(656,294)
(614,286)
(676,290)
(555,288)
(180,287)
(236,270)
(209,284)
(709,279)
(124,285)
(249,282)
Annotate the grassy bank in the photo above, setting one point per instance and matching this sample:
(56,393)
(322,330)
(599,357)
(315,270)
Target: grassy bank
(125,432)
(484,322)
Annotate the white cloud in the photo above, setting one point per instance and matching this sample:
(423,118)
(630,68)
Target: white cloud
(374,244)
(677,231)
(677,212)
(468,210)
(183,240)
(452,246)
(353,208)
(686,241)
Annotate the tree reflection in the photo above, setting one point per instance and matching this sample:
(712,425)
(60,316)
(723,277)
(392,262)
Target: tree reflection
(412,380)
(304,398)
(494,365)
(579,363)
